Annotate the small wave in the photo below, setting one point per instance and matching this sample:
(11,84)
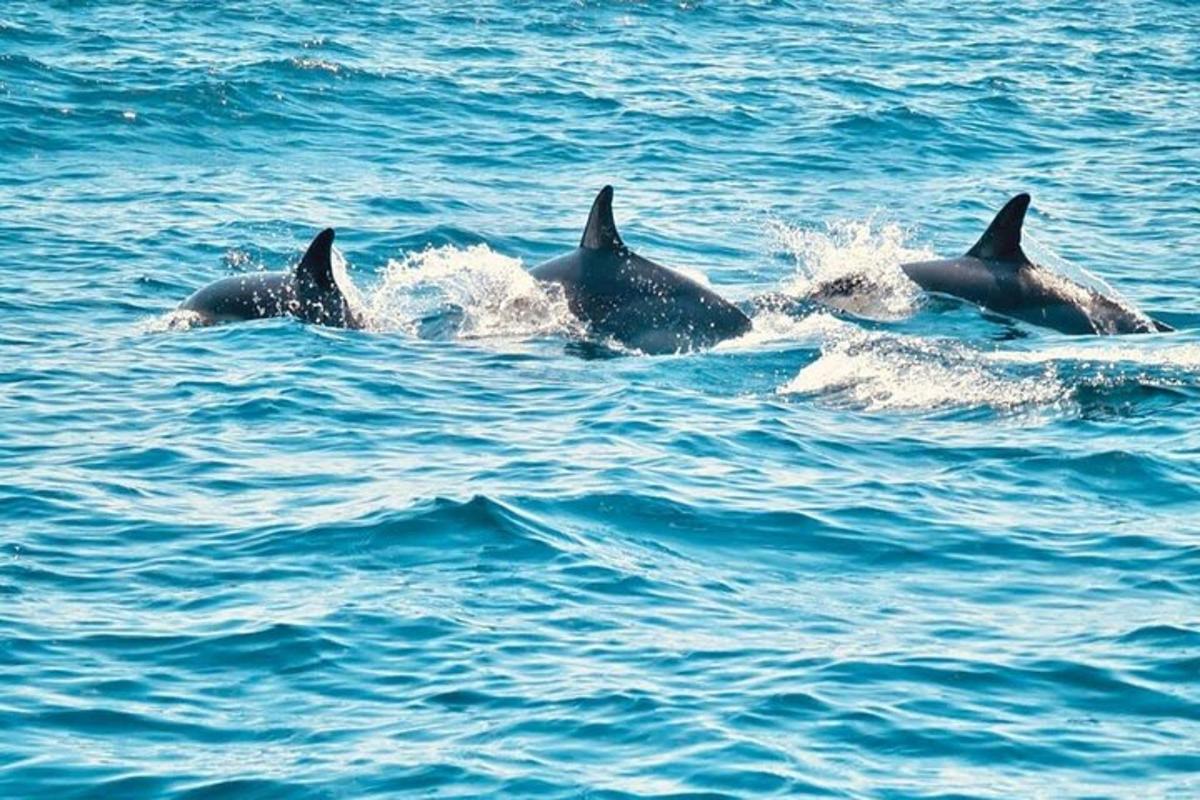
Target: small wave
(502,527)
(891,122)
(466,293)
(332,67)
(1163,635)
(308,66)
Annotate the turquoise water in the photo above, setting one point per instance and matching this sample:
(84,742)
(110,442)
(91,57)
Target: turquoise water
(914,552)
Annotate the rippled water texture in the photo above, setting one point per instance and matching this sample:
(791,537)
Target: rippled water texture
(912,552)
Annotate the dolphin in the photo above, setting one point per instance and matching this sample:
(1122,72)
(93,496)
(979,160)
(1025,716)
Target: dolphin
(997,275)
(643,305)
(308,292)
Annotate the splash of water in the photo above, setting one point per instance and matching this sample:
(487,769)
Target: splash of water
(773,328)
(341,276)
(862,250)
(486,294)
(176,319)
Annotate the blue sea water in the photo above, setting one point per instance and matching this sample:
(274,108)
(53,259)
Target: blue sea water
(910,552)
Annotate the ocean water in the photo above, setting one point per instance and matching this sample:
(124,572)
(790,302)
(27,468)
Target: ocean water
(912,552)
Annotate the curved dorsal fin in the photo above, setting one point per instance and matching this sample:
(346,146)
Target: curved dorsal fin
(316,267)
(601,231)
(1002,240)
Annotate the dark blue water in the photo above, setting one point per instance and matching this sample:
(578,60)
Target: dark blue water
(916,552)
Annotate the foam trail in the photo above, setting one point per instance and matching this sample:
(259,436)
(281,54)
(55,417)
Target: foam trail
(886,372)
(1106,351)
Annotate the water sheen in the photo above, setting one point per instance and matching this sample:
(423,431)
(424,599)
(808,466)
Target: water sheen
(912,552)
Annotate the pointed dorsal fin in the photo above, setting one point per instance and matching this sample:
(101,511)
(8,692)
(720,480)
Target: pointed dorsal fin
(1002,240)
(601,231)
(316,267)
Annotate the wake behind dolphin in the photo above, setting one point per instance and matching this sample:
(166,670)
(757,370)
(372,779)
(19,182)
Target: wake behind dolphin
(309,292)
(642,305)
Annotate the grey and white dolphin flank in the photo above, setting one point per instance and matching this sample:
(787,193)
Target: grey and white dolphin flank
(997,275)
(309,292)
(642,305)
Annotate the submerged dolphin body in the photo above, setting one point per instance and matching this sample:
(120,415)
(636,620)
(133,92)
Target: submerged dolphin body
(640,304)
(309,292)
(997,275)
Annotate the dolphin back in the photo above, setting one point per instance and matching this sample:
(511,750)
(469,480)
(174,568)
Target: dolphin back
(241,297)
(639,303)
(309,292)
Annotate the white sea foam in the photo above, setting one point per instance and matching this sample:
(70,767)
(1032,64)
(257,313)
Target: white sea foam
(1141,351)
(885,371)
(174,320)
(863,249)
(772,328)
(491,294)
(341,276)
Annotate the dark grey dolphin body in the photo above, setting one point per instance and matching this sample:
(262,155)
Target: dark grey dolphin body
(309,292)
(997,275)
(640,304)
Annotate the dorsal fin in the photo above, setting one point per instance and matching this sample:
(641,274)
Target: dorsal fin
(601,231)
(1002,240)
(316,267)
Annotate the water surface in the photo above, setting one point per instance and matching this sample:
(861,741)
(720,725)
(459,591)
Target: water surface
(925,554)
